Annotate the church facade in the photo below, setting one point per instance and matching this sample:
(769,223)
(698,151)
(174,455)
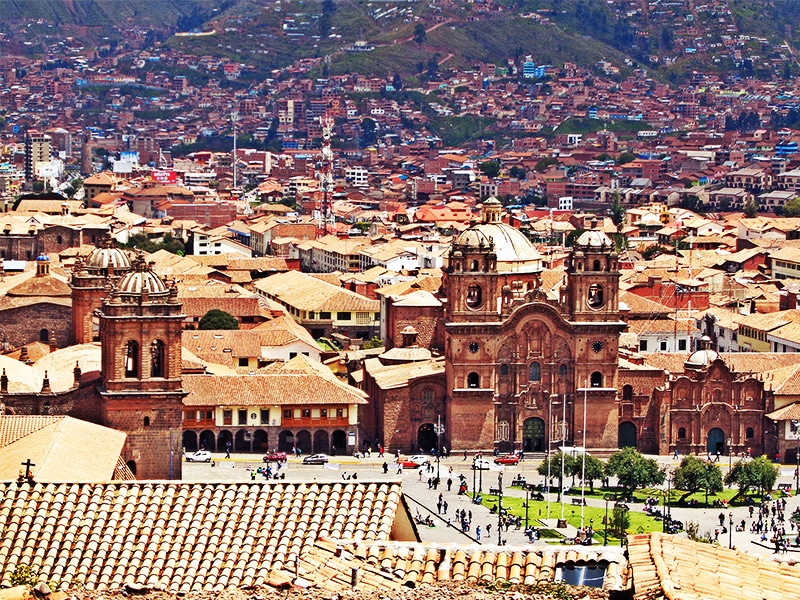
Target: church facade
(524,366)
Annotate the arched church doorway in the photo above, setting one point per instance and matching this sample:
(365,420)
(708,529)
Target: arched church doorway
(716,441)
(533,435)
(426,438)
(627,435)
(189,441)
(339,442)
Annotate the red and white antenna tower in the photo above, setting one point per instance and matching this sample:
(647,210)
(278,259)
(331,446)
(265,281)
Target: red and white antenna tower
(325,176)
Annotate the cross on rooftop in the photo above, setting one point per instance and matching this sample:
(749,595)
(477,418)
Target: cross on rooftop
(28,464)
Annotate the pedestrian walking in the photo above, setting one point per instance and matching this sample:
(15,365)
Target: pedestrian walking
(478,533)
(449,483)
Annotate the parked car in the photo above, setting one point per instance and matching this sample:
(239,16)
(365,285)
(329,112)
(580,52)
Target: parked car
(275,457)
(413,462)
(316,459)
(508,459)
(199,456)
(484,464)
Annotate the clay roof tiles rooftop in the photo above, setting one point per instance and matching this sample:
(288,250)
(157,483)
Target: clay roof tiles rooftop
(182,536)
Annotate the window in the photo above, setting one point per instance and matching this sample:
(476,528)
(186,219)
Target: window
(323,413)
(504,369)
(242,415)
(324,315)
(681,433)
(243,362)
(642,345)
(157,359)
(596,379)
(595,296)
(343,316)
(227,417)
(264,416)
(341,412)
(147,421)
(44,335)
(562,370)
(473,380)
(535,372)
(287,413)
(474,296)
(292,355)
(596,265)
(749,433)
(306,413)
(131,359)
(662,345)
(682,345)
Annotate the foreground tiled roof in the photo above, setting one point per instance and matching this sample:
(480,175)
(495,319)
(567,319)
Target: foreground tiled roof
(668,566)
(17,428)
(181,536)
(388,567)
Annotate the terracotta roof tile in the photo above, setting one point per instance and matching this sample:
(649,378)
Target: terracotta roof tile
(389,566)
(183,536)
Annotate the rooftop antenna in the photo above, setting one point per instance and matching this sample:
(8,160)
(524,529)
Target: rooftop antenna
(325,174)
(234,118)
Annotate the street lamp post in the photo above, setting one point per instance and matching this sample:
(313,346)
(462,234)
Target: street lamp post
(480,477)
(730,456)
(474,495)
(439,431)
(500,508)
(797,470)
(730,530)
(605,529)
(527,500)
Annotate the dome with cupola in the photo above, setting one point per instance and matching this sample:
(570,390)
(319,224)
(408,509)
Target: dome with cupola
(140,280)
(514,252)
(108,256)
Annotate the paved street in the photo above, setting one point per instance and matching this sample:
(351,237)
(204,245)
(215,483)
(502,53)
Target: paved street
(423,501)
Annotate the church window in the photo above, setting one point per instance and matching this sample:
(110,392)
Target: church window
(132,359)
(427,397)
(595,297)
(474,265)
(749,433)
(147,421)
(473,380)
(562,370)
(43,335)
(535,372)
(596,379)
(596,265)
(627,393)
(157,358)
(474,296)
(681,433)
(504,369)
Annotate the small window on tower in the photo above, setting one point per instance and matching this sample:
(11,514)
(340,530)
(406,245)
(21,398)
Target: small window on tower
(131,359)
(147,421)
(595,298)
(474,296)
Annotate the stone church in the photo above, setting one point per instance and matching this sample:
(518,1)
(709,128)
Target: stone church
(530,360)
(139,389)
(522,365)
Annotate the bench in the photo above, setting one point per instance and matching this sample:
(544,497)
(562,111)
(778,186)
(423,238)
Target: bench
(579,501)
(494,491)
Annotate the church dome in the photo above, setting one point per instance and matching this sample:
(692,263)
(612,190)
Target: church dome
(513,250)
(141,280)
(137,282)
(108,258)
(700,359)
(594,239)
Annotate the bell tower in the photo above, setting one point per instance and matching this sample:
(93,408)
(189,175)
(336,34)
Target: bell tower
(140,332)
(592,307)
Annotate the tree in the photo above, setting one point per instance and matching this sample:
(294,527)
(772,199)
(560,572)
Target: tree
(617,211)
(397,82)
(695,474)
(751,208)
(218,319)
(490,168)
(792,208)
(375,342)
(554,461)
(420,35)
(634,470)
(625,158)
(595,469)
(518,173)
(543,163)
(758,473)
